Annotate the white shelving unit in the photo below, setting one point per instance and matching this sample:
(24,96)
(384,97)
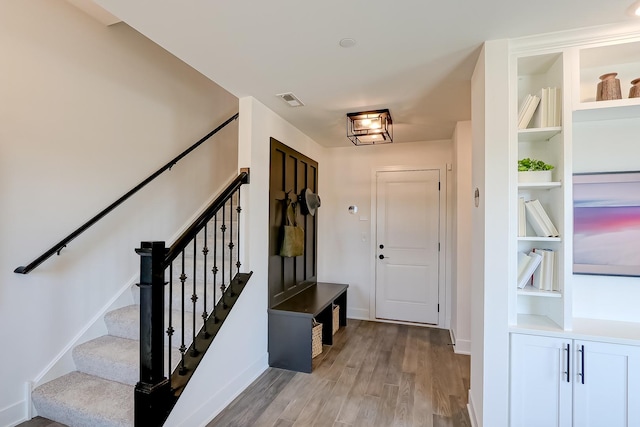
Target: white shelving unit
(535,72)
(595,136)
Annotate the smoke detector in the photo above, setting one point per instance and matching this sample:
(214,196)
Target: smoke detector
(291,99)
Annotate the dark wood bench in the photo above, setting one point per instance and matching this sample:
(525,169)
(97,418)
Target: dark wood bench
(290,324)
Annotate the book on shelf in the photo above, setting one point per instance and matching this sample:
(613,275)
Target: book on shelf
(544,277)
(539,219)
(549,113)
(522,218)
(527,264)
(527,108)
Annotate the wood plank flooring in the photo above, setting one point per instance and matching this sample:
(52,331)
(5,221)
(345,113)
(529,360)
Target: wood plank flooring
(375,375)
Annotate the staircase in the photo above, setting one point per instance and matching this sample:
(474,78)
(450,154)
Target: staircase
(100,392)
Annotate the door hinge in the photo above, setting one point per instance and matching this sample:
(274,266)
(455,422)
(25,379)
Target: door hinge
(438,246)
(438,308)
(438,185)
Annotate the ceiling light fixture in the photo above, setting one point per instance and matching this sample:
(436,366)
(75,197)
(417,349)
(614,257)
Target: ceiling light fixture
(370,127)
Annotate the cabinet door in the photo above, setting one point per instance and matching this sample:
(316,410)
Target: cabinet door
(540,383)
(607,385)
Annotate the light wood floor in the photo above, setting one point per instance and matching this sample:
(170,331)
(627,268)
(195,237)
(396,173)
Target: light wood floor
(375,375)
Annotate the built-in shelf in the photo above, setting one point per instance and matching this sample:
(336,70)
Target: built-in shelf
(539,185)
(536,322)
(626,108)
(539,239)
(538,134)
(531,291)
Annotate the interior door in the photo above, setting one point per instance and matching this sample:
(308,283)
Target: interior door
(407,230)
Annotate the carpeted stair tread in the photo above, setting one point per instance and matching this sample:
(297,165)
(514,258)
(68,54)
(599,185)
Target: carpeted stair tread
(125,323)
(109,357)
(82,400)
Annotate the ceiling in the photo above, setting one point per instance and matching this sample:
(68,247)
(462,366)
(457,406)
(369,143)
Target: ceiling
(414,57)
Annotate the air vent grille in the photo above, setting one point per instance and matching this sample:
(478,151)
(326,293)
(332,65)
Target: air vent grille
(291,99)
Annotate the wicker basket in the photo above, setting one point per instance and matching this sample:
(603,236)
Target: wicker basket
(336,318)
(316,339)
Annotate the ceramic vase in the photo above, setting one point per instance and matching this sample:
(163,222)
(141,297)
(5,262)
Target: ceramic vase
(634,92)
(608,88)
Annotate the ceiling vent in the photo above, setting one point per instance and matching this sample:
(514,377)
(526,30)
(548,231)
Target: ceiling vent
(291,99)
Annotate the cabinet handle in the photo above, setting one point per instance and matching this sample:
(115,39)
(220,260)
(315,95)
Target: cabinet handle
(568,371)
(581,373)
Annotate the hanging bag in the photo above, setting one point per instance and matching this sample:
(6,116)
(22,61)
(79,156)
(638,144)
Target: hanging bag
(292,234)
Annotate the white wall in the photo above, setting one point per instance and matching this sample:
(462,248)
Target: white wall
(489,317)
(87,112)
(463,209)
(347,254)
(606,146)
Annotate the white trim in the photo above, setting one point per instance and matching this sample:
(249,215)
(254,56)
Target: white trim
(28,404)
(12,415)
(206,413)
(358,313)
(443,285)
(472,412)
(460,346)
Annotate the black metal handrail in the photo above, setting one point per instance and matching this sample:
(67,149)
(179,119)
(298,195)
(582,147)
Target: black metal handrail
(57,248)
(190,233)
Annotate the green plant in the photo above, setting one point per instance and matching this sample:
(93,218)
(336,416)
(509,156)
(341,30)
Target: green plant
(528,164)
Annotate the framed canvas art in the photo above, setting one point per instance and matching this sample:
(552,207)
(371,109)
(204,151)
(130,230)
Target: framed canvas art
(606,223)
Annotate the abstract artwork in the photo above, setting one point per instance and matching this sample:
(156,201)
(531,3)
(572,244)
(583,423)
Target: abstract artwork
(606,223)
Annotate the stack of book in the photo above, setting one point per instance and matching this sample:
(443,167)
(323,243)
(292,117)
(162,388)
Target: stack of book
(547,106)
(537,217)
(527,264)
(537,269)
(544,276)
(527,108)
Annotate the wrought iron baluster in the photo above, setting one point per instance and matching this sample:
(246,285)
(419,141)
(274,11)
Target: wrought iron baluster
(170,329)
(194,299)
(183,347)
(215,264)
(231,293)
(223,228)
(205,251)
(238,209)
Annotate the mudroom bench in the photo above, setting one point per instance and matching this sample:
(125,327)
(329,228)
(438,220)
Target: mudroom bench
(291,321)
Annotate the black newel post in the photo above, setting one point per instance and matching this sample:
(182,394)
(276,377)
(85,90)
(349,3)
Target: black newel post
(153,390)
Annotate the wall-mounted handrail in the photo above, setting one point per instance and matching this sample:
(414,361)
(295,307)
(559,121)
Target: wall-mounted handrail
(57,248)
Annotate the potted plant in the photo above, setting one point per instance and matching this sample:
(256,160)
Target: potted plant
(531,170)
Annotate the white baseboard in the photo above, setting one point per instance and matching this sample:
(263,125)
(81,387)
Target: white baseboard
(12,415)
(358,313)
(211,408)
(460,346)
(472,412)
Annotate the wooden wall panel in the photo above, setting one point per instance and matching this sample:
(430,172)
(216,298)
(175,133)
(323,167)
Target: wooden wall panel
(291,172)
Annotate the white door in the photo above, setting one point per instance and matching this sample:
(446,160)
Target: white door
(607,385)
(541,380)
(408,221)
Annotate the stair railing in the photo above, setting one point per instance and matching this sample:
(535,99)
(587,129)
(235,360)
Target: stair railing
(57,248)
(211,242)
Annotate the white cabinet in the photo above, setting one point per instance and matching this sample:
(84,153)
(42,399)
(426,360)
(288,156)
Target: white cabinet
(606,389)
(540,392)
(564,382)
